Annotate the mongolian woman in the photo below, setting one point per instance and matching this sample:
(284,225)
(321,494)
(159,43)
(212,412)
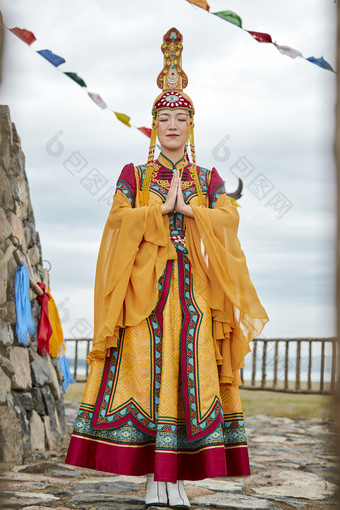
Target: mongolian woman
(175,310)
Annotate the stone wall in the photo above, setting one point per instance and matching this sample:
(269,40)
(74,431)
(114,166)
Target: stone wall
(32,415)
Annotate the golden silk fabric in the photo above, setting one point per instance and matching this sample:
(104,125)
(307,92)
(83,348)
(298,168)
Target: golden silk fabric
(134,250)
(223,279)
(135,374)
(56,345)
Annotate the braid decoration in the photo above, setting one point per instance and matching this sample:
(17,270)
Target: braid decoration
(150,163)
(193,159)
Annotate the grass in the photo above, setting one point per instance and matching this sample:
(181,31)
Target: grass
(74,392)
(290,405)
(255,402)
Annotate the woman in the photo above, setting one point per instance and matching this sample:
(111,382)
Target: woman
(175,311)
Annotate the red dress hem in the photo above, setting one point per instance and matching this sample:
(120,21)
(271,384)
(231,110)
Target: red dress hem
(208,462)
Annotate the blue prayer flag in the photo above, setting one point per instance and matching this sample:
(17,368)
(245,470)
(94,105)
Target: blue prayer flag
(321,62)
(65,369)
(51,57)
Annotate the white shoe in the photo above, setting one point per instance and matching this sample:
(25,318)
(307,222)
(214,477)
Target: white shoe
(155,492)
(176,495)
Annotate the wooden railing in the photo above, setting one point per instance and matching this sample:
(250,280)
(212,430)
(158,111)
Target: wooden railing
(283,359)
(268,355)
(77,341)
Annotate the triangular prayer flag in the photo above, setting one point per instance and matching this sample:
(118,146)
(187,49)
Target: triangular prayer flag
(65,370)
(230,16)
(287,50)
(125,119)
(76,78)
(98,100)
(57,344)
(200,3)
(146,131)
(51,57)
(321,62)
(260,36)
(25,35)
(23,309)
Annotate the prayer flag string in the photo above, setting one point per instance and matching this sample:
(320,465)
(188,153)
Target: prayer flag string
(227,15)
(236,20)
(56,60)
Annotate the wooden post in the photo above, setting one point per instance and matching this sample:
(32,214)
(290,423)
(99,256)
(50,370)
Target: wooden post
(34,286)
(75,360)
(264,362)
(333,366)
(276,357)
(322,384)
(286,364)
(309,386)
(336,401)
(253,372)
(298,365)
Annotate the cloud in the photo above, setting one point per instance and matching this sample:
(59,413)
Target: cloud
(277,112)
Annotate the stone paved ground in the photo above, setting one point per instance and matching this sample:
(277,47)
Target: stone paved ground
(292,464)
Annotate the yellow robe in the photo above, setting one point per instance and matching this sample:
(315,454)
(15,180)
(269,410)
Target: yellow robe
(172,325)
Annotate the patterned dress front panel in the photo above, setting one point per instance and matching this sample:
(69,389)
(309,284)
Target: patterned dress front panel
(160,386)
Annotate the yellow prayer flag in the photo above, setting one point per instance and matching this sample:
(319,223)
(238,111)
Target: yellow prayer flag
(125,119)
(201,3)
(57,344)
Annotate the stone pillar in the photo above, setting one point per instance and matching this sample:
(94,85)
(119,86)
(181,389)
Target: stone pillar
(32,415)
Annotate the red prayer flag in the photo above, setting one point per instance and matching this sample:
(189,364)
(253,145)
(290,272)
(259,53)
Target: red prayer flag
(146,131)
(260,36)
(45,328)
(25,35)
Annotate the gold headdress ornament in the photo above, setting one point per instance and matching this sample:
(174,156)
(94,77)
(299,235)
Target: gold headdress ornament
(172,79)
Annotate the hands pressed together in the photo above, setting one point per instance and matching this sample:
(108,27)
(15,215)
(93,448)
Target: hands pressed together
(175,199)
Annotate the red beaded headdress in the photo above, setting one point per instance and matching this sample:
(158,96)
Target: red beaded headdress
(172,79)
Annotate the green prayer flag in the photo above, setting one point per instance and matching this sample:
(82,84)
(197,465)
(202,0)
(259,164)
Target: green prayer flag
(230,16)
(76,78)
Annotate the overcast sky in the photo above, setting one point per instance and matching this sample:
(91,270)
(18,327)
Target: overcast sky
(273,112)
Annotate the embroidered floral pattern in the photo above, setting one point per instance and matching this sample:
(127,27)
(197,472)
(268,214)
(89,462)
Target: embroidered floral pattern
(192,318)
(124,187)
(215,194)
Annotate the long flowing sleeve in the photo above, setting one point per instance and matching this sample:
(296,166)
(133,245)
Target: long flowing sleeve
(221,276)
(134,249)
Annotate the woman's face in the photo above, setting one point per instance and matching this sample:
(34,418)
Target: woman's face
(172,129)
